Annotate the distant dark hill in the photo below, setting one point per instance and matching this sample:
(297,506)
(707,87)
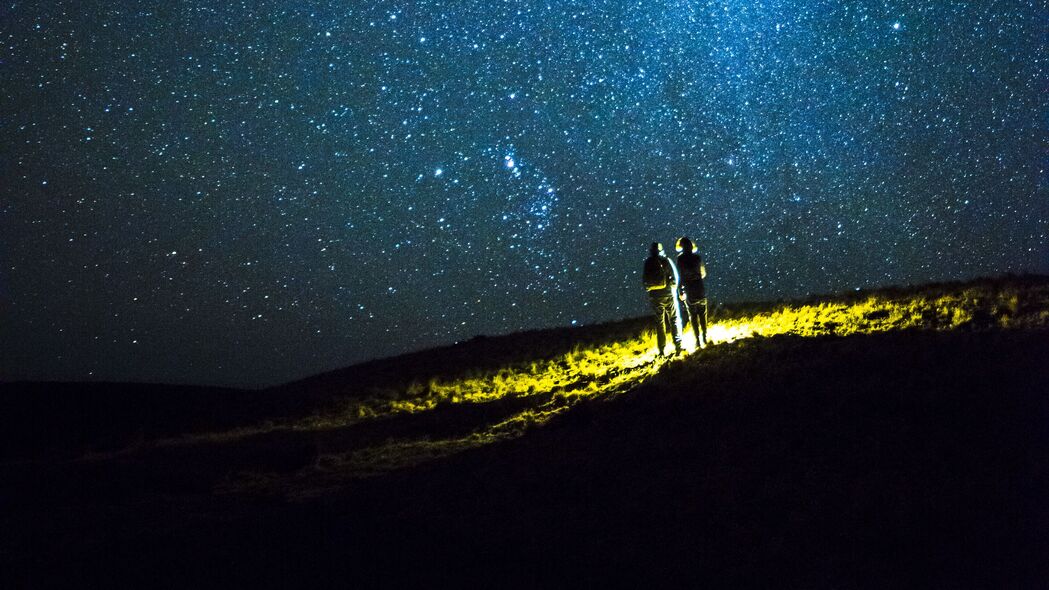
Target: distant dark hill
(39,418)
(44,418)
(894,438)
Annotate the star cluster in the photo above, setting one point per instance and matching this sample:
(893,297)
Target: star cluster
(247,192)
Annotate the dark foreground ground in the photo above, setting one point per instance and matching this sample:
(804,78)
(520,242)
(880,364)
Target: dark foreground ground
(910,459)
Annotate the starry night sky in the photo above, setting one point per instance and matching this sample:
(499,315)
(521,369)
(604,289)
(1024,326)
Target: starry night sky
(245,193)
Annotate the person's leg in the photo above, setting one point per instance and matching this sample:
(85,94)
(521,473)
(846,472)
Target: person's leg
(701,313)
(674,319)
(693,311)
(660,321)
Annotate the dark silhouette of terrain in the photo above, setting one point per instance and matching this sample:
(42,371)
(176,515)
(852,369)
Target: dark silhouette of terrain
(846,455)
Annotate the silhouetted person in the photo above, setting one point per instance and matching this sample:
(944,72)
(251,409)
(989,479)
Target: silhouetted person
(693,271)
(660,279)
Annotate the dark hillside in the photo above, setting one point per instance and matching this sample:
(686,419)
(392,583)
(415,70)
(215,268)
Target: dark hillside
(889,440)
(912,460)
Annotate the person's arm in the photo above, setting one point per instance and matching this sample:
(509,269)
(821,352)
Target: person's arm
(702,270)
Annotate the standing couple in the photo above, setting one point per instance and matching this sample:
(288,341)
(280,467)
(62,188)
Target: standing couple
(661,280)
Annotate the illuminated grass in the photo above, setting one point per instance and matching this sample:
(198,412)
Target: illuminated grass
(973,308)
(588,371)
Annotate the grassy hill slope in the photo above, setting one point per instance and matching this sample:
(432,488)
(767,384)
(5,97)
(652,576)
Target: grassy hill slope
(896,437)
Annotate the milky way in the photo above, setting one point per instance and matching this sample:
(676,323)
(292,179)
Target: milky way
(244,193)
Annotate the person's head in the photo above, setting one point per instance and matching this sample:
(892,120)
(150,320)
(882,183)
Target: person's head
(656,249)
(685,245)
